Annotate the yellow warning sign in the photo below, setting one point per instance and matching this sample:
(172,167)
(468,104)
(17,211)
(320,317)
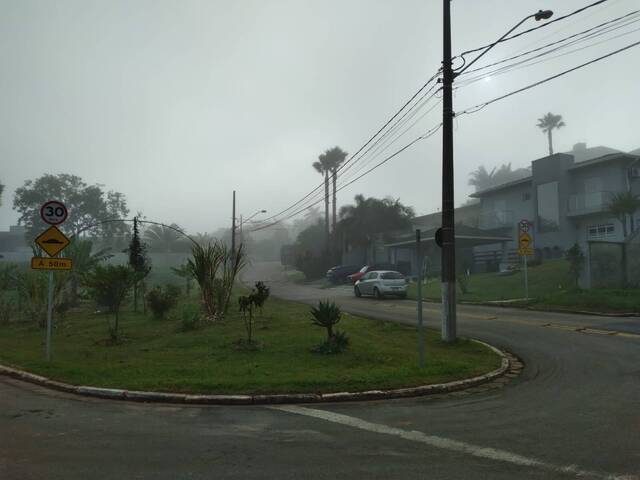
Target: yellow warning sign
(525,251)
(52,241)
(41,263)
(524,240)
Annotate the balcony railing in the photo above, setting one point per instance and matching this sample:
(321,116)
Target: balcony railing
(495,219)
(585,203)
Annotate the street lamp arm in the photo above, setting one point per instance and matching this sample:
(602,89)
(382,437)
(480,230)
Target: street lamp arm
(540,15)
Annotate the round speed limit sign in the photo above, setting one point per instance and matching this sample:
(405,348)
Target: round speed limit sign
(53,212)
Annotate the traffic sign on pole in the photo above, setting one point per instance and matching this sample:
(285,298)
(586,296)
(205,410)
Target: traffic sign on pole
(52,241)
(53,212)
(43,263)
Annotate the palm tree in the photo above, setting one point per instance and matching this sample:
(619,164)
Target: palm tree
(624,204)
(323,167)
(335,157)
(163,238)
(547,124)
(481,178)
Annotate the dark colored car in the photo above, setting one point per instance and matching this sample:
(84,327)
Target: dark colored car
(339,273)
(354,277)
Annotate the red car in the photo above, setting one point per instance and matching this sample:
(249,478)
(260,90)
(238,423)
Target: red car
(354,277)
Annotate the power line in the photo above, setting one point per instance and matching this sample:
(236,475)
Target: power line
(480,106)
(424,136)
(321,185)
(531,61)
(604,24)
(544,25)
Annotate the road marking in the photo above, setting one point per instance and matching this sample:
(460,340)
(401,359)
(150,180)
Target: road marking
(447,444)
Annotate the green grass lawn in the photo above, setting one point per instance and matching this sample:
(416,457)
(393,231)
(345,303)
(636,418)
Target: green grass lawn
(550,286)
(154,356)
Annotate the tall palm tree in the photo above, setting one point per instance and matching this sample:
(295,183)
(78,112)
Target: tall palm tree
(335,157)
(624,204)
(323,167)
(547,124)
(163,238)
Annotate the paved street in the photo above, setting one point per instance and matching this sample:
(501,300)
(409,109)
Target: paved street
(573,413)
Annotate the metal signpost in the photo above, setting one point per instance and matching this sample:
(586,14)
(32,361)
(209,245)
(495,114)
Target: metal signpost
(52,241)
(525,248)
(419,298)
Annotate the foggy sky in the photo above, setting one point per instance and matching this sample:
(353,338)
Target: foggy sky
(176,103)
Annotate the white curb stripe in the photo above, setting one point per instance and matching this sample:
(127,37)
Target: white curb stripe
(447,444)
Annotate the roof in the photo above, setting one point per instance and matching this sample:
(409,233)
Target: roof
(502,186)
(635,152)
(586,154)
(606,158)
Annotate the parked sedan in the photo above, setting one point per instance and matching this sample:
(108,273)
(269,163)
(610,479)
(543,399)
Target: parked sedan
(354,277)
(381,283)
(339,273)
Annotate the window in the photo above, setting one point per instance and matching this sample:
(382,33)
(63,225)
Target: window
(548,209)
(600,232)
(526,196)
(392,276)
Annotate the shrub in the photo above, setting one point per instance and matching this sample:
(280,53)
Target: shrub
(327,315)
(261,294)
(189,320)
(576,260)
(162,299)
(8,308)
(463,283)
(338,344)
(246,304)
(109,286)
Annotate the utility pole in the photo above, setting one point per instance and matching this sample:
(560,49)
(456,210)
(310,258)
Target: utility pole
(419,298)
(448,214)
(233,225)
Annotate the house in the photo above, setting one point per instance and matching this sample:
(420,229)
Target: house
(566,200)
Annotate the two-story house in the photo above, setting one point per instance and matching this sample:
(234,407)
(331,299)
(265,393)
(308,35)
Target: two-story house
(566,198)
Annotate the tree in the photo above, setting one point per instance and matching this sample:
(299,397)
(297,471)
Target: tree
(163,238)
(138,261)
(481,178)
(576,259)
(85,260)
(334,157)
(547,124)
(88,204)
(1,190)
(109,286)
(323,167)
(327,315)
(359,223)
(623,205)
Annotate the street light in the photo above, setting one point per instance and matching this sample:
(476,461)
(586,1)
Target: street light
(448,268)
(246,220)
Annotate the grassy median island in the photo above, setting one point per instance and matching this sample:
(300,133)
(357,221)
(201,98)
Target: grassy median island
(155,356)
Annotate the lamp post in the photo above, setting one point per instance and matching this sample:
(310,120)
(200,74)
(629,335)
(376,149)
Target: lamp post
(448,217)
(243,221)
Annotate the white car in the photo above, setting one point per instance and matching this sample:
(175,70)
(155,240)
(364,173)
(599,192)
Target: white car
(380,283)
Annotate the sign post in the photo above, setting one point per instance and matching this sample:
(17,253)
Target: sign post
(419,298)
(52,241)
(525,248)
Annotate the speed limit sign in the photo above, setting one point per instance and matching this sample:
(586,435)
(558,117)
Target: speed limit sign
(53,212)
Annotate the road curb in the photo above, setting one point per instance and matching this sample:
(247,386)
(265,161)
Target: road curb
(512,365)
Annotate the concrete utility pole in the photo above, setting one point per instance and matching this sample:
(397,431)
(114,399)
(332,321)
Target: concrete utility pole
(448,216)
(448,212)
(233,224)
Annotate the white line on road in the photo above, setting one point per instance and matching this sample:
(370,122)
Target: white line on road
(447,444)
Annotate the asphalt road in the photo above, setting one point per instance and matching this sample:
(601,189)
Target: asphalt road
(573,413)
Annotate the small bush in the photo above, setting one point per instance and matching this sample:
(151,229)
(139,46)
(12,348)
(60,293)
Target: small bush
(338,344)
(8,309)
(162,299)
(463,283)
(189,320)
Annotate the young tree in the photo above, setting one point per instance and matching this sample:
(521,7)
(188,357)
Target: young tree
(109,286)
(88,204)
(246,304)
(327,315)
(576,260)
(547,124)
(139,261)
(623,205)
(85,261)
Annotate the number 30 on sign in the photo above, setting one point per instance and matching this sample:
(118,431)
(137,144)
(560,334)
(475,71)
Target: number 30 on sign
(53,212)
